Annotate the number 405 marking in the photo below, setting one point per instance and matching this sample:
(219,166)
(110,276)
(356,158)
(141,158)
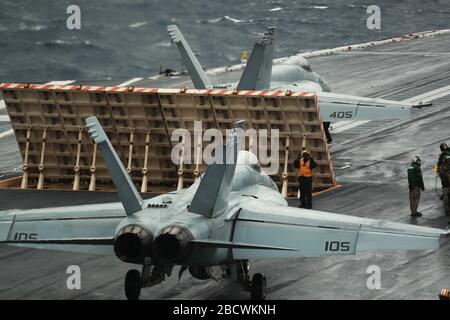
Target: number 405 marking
(342,115)
(335,246)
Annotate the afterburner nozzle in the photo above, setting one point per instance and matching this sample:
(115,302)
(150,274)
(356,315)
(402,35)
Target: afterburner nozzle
(133,243)
(172,244)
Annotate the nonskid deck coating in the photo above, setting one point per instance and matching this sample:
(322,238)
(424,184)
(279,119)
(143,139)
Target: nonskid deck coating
(372,171)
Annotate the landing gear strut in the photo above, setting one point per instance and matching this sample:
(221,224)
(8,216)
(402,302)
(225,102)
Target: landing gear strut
(257,285)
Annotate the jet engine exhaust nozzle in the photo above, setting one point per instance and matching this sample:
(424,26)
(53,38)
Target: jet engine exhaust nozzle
(133,243)
(172,244)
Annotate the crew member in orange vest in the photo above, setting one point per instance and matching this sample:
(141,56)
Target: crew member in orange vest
(305,165)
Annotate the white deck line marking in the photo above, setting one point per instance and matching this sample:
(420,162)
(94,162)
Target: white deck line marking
(325,52)
(126,83)
(397,53)
(61,82)
(4,118)
(7,133)
(430,95)
(339,126)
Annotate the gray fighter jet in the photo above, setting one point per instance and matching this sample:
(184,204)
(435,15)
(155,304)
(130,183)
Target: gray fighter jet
(294,74)
(233,214)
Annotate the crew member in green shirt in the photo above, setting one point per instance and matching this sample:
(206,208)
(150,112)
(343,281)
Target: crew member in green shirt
(415,182)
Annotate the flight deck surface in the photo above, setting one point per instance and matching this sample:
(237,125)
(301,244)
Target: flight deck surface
(370,160)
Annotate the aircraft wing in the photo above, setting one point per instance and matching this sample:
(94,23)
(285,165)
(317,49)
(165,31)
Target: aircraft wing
(84,229)
(310,233)
(338,107)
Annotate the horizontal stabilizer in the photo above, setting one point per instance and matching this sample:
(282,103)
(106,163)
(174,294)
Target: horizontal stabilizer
(77,241)
(337,107)
(236,245)
(317,233)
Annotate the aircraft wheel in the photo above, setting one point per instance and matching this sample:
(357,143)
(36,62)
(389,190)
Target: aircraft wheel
(258,288)
(133,285)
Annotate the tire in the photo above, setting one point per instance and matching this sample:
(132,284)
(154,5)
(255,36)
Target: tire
(133,285)
(258,288)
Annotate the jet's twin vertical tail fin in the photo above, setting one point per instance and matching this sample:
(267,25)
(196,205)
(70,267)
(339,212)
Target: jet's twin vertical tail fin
(128,194)
(196,72)
(258,71)
(211,198)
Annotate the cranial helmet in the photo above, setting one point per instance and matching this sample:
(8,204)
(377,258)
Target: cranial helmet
(417,160)
(443,147)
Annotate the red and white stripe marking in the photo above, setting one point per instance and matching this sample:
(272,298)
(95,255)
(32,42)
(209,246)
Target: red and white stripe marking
(59,86)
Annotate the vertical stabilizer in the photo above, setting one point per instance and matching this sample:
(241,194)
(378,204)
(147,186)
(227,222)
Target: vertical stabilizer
(128,194)
(196,72)
(211,198)
(258,71)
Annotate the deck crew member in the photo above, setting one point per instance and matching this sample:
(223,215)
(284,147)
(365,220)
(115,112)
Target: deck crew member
(415,182)
(443,169)
(305,164)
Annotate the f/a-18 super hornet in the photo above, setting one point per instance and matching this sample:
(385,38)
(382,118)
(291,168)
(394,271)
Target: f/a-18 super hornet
(294,74)
(231,215)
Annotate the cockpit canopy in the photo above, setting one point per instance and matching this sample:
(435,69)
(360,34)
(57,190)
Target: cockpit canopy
(248,158)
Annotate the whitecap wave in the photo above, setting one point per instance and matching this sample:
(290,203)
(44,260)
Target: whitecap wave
(225,18)
(276,9)
(62,43)
(164,44)
(38,27)
(320,7)
(137,24)
(233,19)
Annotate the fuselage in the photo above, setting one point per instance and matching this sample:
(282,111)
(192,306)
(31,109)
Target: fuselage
(170,226)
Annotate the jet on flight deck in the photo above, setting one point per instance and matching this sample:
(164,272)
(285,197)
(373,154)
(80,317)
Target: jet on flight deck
(294,74)
(230,216)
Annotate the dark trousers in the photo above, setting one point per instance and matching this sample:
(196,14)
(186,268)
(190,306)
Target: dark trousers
(305,186)
(445,181)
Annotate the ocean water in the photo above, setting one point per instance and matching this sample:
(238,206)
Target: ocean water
(121,39)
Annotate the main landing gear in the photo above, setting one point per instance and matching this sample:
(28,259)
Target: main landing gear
(155,274)
(151,275)
(133,284)
(257,286)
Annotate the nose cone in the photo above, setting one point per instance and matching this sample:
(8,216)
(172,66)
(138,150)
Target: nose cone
(172,244)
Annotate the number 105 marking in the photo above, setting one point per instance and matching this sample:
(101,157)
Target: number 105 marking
(337,246)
